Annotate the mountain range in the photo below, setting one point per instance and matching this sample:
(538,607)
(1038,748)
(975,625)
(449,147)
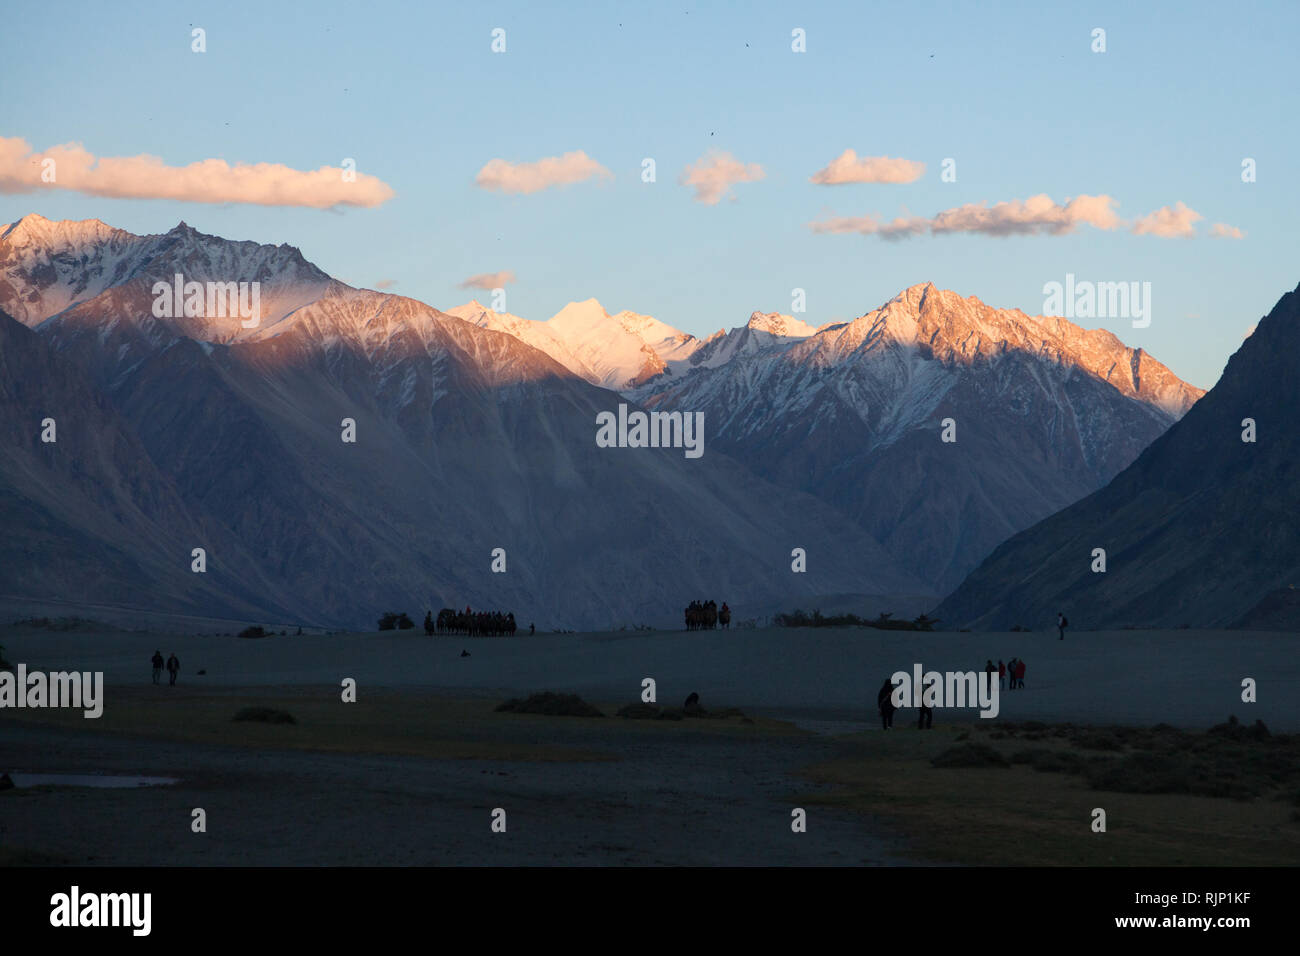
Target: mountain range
(1045,411)
(1199,531)
(475,431)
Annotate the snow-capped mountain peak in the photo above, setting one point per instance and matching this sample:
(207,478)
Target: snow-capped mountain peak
(33,229)
(783,326)
(615,351)
(50,269)
(577,316)
(959,330)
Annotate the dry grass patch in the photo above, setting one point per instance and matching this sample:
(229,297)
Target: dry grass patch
(1038,812)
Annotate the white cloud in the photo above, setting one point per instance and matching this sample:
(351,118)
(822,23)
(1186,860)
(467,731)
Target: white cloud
(714,173)
(489,280)
(1221,230)
(900,228)
(1169,222)
(208,180)
(848,167)
(1036,215)
(507,177)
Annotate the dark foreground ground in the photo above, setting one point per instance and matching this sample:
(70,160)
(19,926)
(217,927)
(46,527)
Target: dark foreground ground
(410,774)
(582,791)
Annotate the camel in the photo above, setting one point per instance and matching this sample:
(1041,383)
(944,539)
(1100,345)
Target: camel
(476,623)
(704,614)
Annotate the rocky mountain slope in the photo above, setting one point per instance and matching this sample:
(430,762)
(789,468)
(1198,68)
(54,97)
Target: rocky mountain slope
(1199,530)
(467,440)
(1044,411)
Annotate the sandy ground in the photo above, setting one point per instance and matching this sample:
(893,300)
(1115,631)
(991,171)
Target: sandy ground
(823,678)
(720,802)
(667,795)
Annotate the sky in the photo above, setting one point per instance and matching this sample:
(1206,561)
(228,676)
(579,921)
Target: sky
(526,166)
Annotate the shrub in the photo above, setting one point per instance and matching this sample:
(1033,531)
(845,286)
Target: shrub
(255,631)
(551,704)
(392,620)
(1051,761)
(1145,773)
(1235,730)
(970,755)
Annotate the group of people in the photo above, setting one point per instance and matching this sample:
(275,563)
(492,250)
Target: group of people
(1011,675)
(473,623)
(885,703)
(173,667)
(705,615)
(1013,670)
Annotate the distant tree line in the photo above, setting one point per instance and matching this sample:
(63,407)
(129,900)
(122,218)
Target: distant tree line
(471,623)
(256,630)
(56,624)
(884,621)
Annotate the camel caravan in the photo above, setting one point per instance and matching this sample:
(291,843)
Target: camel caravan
(704,615)
(472,623)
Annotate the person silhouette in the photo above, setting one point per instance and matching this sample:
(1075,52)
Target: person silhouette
(885,701)
(173,668)
(157,666)
(926,719)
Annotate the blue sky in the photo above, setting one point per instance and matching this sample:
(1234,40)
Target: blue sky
(415,95)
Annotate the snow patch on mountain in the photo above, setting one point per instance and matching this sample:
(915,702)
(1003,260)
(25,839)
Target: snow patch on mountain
(617,351)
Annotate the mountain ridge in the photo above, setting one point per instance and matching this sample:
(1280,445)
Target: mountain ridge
(1197,530)
(469,440)
(841,423)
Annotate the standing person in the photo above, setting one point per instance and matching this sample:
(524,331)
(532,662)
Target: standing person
(885,701)
(989,669)
(1020,673)
(1002,673)
(173,668)
(157,666)
(1061,625)
(1011,674)
(926,720)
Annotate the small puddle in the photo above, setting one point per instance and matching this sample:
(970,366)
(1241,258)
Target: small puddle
(87,780)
